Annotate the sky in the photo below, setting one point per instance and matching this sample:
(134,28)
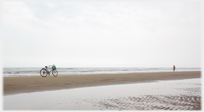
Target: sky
(102,34)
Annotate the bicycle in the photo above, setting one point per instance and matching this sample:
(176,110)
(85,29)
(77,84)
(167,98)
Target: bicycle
(44,71)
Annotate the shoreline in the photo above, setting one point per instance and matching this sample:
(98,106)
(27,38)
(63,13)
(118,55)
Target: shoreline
(16,85)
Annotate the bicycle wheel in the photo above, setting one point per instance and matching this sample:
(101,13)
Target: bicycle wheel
(54,73)
(43,72)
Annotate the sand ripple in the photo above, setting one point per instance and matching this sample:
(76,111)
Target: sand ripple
(149,102)
(189,98)
(165,95)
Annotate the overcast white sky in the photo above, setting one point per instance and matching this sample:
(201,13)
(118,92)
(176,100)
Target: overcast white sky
(102,34)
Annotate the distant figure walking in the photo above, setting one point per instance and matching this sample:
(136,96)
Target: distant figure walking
(174,68)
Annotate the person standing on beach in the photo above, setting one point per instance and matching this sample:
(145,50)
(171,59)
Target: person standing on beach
(174,68)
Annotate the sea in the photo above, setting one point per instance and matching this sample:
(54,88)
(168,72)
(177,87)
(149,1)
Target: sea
(35,71)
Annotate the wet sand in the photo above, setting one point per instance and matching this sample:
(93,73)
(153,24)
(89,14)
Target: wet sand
(182,94)
(13,85)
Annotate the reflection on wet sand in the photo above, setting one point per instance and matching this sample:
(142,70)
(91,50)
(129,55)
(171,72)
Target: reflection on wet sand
(149,102)
(163,95)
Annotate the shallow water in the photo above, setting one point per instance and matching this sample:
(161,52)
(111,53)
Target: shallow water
(162,95)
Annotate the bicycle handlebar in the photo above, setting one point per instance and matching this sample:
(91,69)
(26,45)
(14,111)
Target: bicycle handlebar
(50,65)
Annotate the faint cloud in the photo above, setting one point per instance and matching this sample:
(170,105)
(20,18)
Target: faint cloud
(103,32)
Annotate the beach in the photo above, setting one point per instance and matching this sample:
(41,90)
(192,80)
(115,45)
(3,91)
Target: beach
(15,85)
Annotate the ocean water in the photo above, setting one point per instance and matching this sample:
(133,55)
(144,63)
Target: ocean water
(35,71)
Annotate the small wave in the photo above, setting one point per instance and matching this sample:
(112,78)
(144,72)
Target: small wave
(9,72)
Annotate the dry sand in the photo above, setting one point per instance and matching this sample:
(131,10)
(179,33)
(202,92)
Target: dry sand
(13,85)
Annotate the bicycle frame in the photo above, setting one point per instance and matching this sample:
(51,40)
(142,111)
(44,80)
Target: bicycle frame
(48,70)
